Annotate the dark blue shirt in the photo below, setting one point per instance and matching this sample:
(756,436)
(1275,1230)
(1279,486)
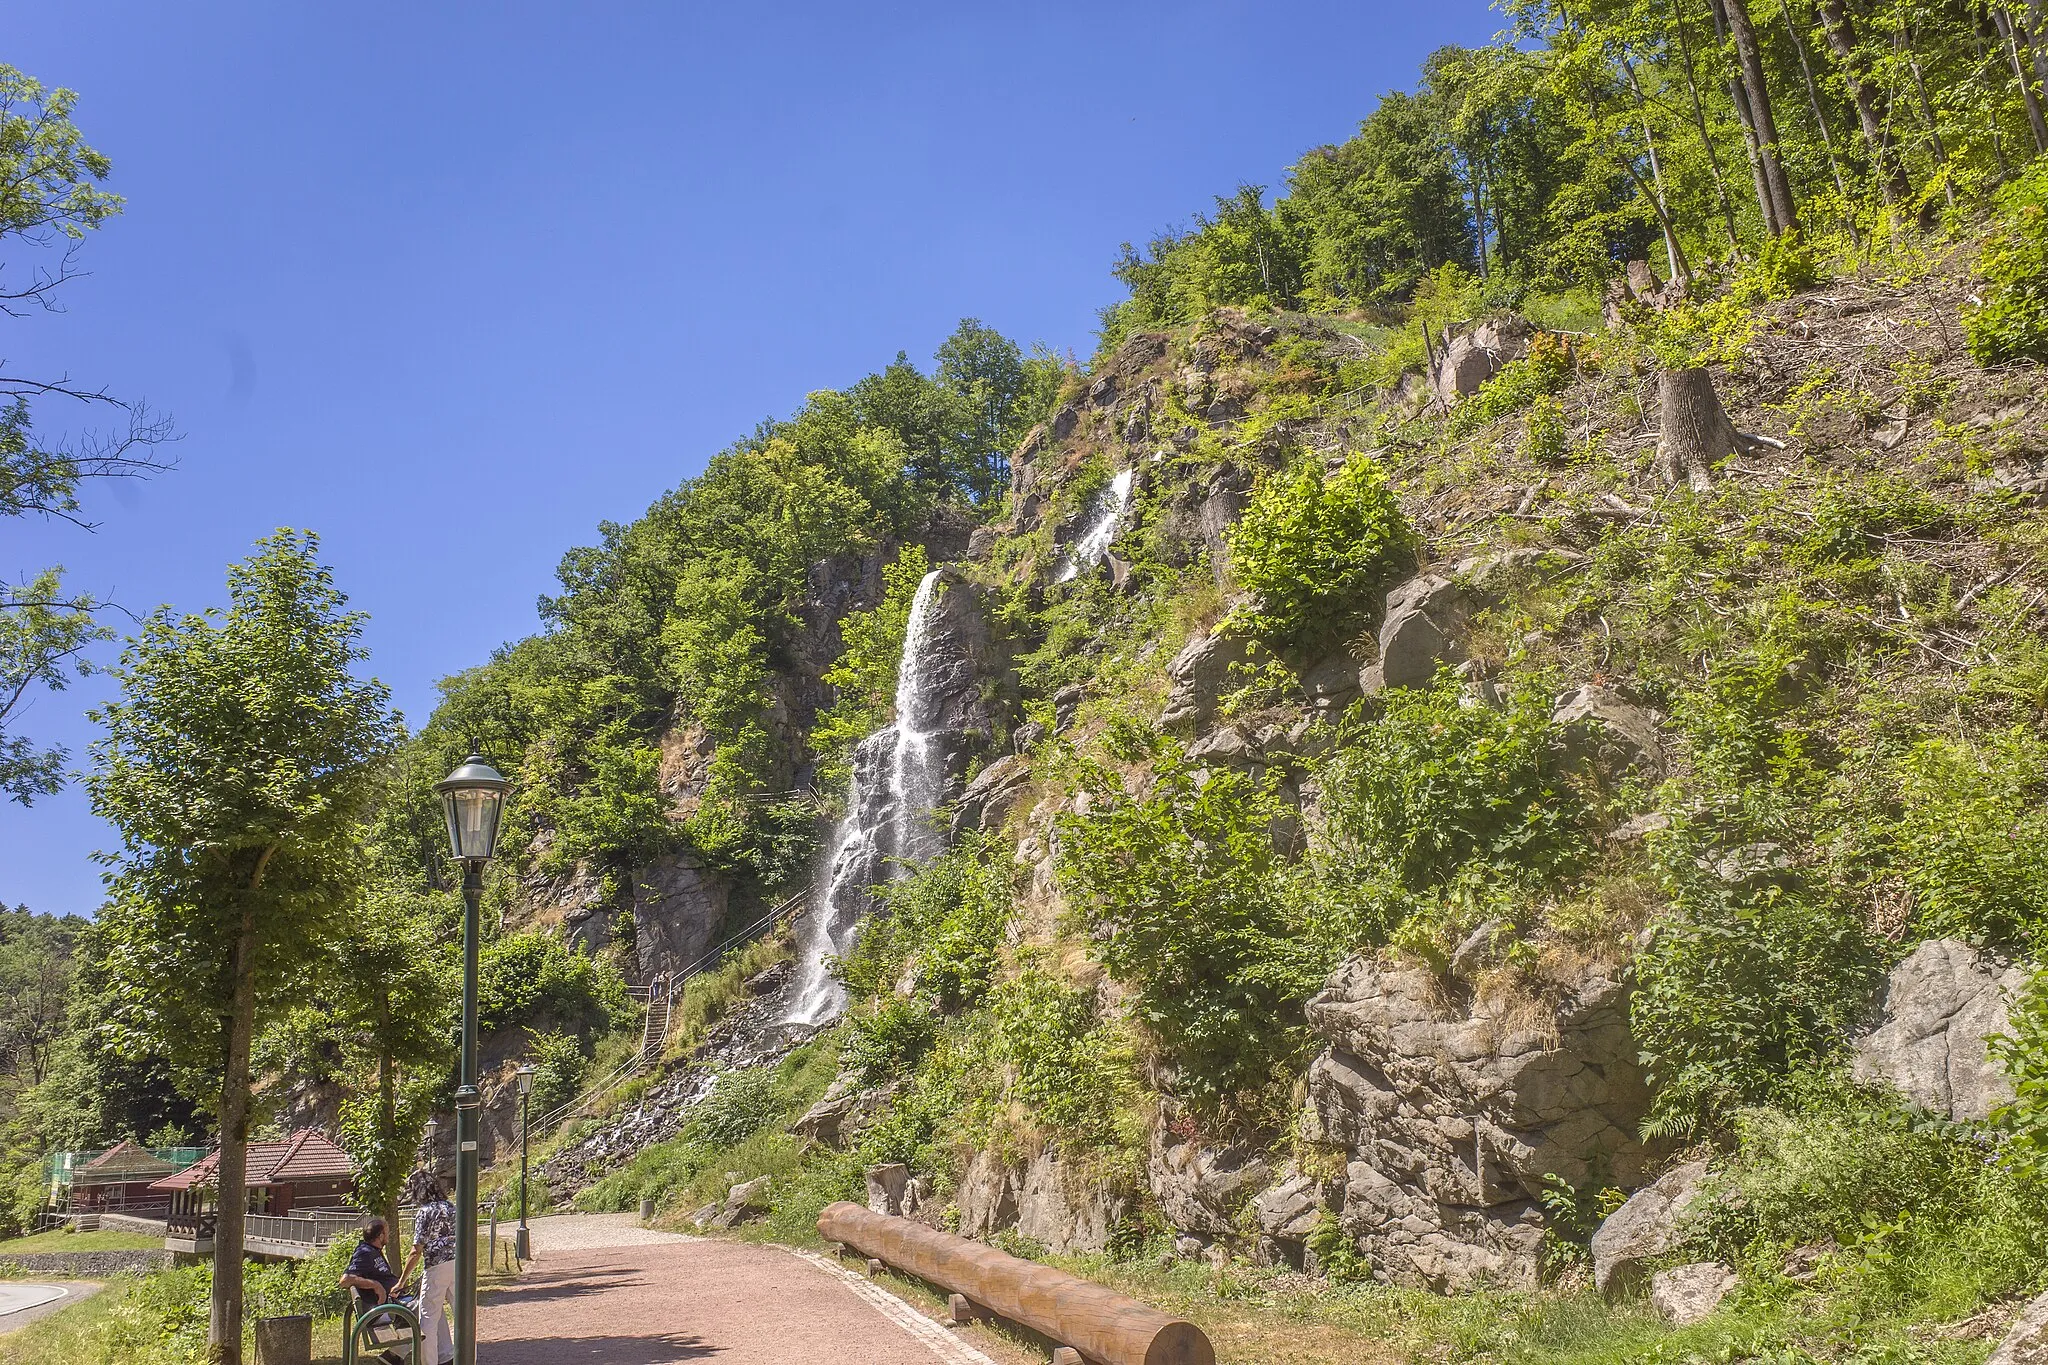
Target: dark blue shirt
(368,1263)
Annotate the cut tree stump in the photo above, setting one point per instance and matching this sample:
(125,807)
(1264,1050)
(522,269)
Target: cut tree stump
(1697,434)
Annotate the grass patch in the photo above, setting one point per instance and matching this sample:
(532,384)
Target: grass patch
(43,1242)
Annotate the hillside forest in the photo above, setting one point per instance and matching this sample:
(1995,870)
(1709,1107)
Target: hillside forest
(1513,676)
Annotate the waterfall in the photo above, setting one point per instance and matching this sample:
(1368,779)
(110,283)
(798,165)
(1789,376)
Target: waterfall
(1108,512)
(896,782)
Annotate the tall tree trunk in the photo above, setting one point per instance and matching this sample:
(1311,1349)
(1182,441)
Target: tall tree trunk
(1906,46)
(1699,118)
(387,1124)
(1820,117)
(1738,96)
(2016,38)
(224,1326)
(1681,269)
(1750,62)
(1873,110)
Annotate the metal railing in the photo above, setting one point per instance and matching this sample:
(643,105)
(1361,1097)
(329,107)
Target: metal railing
(791,908)
(301,1229)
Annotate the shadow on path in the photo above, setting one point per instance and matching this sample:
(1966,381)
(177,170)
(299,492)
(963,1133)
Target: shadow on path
(636,1350)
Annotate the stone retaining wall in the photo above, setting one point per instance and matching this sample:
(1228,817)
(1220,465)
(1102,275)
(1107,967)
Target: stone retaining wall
(86,1265)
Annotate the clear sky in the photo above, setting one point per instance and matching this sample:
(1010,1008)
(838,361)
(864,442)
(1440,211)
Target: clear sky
(452,283)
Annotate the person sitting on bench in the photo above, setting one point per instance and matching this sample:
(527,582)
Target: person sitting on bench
(370,1276)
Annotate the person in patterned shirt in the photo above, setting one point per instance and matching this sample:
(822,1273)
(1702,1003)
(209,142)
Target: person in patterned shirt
(433,1242)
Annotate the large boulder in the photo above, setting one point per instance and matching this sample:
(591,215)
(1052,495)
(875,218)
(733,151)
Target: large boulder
(1456,1115)
(843,1112)
(992,795)
(1287,1212)
(1469,360)
(1935,1016)
(1422,630)
(1687,1294)
(1200,1189)
(1650,1224)
(2026,1343)
(1611,733)
(986,1198)
(1201,676)
(1064,1210)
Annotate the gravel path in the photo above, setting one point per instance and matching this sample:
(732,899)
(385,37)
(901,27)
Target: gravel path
(605,1291)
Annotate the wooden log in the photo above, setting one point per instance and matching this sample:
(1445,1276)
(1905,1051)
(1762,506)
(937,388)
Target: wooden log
(1100,1323)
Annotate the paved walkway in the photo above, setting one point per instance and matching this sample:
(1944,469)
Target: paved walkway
(22,1303)
(605,1291)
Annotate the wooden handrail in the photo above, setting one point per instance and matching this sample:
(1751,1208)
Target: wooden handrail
(1103,1325)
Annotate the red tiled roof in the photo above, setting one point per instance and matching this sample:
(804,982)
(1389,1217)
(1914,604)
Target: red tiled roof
(305,1155)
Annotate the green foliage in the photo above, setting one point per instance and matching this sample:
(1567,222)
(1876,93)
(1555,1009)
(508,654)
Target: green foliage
(1971,838)
(1519,384)
(1742,986)
(1318,551)
(2023,1052)
(532,976)
(1853,517)
(887,1038)
(943,923)
(43,630)
(1071,1068)
(558,1061)
(1549,436)
(1184,899)
(2012,324)
(1927,1220)
(1415,797)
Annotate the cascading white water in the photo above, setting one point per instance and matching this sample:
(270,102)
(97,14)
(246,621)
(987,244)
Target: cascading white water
(1110,506)
(896,783)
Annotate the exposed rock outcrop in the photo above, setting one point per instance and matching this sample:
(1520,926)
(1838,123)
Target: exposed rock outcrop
(1936,1012)
(1201,676)
(2026,1342)
(1200,1189)
(1610,732)
(1687,1294)
(992,795)
(678,904)
(1470,359)
(1453,1117)
(1650,1224)
(1422,630)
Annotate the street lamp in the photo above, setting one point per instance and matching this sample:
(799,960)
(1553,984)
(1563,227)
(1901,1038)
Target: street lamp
(472,797)
(522,1244)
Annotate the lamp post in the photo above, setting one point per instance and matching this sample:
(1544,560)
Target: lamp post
(472,797)
(522,1243)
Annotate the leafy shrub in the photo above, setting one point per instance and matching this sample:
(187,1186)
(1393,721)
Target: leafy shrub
(1971,839)
(1740,988)
(527,977)
(887,1037)
(741,1104)
(1517,385)
(1432,786)
(944,922)
(557,1060)
(1927,1218)
(1071,1069)
(1549,436)
(1853,516)
(1319,551)
(2012,324)
(1185,899)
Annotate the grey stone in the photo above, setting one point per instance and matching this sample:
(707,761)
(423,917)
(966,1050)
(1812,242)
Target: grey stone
(1482,948)
(1065,421)
(1028,736)
(1063,1210)
(1228,747)
(1751,865)
(842,1113)
(1201,677)
(678,903)
(1610,732)
(2026,1342)
(1454,1116)
(1935,1014)
(1066,704)
(1490,573)
(1651,1224)
(992,795)
(887,1185)
(743,1203)
(987,1196)
(1333,682)
(1287,1212)
(1471,359)
(1688,1294)
(1200,1189)
(1421,631)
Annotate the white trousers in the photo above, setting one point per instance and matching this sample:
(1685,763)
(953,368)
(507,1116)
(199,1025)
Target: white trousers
(437,1311)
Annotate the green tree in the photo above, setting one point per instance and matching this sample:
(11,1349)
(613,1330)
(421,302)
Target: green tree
(236,766)
(50,197)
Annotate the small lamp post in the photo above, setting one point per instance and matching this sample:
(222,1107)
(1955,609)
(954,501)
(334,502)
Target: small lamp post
(522,1243)
(472,797)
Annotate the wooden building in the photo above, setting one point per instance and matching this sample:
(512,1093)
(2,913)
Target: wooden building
(303,1179)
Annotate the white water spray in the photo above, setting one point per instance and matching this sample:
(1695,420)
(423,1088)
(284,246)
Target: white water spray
(1109,509)
(896,782)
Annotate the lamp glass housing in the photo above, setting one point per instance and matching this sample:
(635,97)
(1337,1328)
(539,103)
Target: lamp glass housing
(524,1078)
(472,798)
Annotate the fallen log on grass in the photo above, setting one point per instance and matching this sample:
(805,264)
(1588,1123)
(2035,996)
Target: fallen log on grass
(1104,1326)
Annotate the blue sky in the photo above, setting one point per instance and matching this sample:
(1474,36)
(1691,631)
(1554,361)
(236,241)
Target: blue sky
(450,284)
